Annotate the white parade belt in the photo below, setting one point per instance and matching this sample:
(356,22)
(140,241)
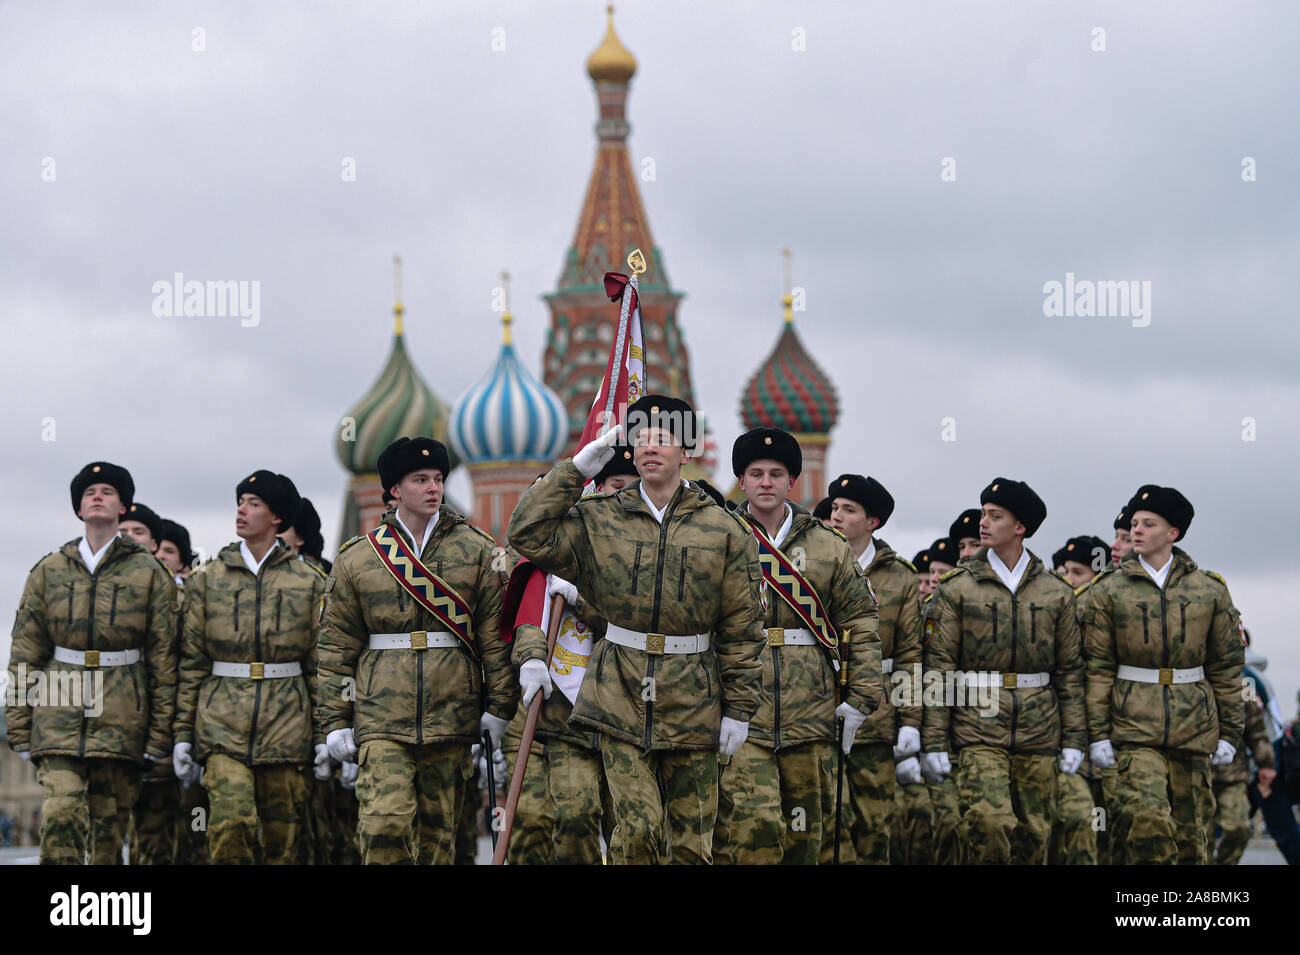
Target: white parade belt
(415,640)
(257,671)
(1008,681)
(789,637)
(1167,675)
(657,643)
(96,658)
(887,665)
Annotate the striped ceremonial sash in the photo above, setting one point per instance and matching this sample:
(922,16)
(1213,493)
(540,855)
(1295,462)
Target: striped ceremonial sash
(428,589)
(794,588)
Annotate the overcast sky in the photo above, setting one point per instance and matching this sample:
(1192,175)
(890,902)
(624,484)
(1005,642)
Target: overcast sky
(925,297)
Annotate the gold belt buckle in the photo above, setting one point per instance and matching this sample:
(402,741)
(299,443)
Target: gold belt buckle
(257,671)
(420,640)
(776,637)
(92,658)
(1010,681)
(1167,676)
(654,643)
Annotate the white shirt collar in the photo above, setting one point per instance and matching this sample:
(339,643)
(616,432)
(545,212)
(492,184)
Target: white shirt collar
(92,559)
(250,561)
(1010,576)
(783,531)
(655,512)
(428,529)
(868,555)
(1160,575)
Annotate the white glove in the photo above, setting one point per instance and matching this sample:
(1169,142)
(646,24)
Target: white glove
(182,760)
(500,769)
(535,675)
(1071,760)
(1102,754)
(25,756)
(853,719)
(349,775)
(342,745)
(594,456)
(733,735)
(909,742)
(493,725)
(559,585)
(908,771)
(150,758)
(1223,753)
(935,766)
(321,763)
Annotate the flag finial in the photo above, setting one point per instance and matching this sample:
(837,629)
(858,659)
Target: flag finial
(397,295)
(507,338)
(787,300)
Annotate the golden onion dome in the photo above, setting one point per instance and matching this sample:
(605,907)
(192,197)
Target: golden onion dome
(612,61)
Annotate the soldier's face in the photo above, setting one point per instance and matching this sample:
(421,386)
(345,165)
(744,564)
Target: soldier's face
(923,583)
(850,519)
(1076,573)
(1122,544)
(937,569)
(615,482)
(658,454)
(100,501)
(420,492)
(766,485)
(170,555)
(139,533)
(998,527)
(968,546)
(1151,533)
(291,538)
(253,519)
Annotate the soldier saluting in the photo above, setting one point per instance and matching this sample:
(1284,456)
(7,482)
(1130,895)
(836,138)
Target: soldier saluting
(1009,625)
(408,650)
(1165,653)
(245,707)
(677,677)
(99,608)
(813,592)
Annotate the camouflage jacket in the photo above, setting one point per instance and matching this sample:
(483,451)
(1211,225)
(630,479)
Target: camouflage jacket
(232,616)
(799,683)
(1191,623)
(697,572)
(1254,745)
(894,581)
(413,696)
(162,771)
(980,625)
(128,603)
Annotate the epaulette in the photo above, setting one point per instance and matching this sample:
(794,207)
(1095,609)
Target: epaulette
(1215,576)
(1096,577)
(1061,577)
(838,533)
(955,570)
(38,563)
(905,562)
(346,544)
(482,533)
(312,565)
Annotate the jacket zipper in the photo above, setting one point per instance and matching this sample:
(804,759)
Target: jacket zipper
(71,587)
(279,601)
(636,565)
(90,645)
(1033,622)
(654,618)
(1164,638)
(237,593)
(1015,697)
(1146,637)
(681,580)
(257,656)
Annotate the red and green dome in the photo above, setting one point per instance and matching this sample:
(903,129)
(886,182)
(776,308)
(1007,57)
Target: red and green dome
(789,391)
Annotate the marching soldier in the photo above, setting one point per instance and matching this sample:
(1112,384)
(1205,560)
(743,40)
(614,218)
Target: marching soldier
(410,628)
(101,613)
(246,700)
(1165,654)
(888,743)
(943,558)
(143,526)
(1231,801)
(305,537)
(777,795)
(922,564)
(174,550)
(964,533)
(945,844)
(1002,611)
(1123,542)
(678,676)
(559,815)
(823,510)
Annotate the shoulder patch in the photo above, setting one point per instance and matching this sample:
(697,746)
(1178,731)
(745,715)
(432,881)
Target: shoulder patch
(348,543)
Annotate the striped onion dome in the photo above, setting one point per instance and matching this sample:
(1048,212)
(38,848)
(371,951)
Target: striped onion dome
(789,390)
(509,415)
(398,403)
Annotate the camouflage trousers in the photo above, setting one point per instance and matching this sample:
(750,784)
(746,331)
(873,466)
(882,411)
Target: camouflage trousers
(471,811)
(1007,803)
(558,819)
(192,827)
(1102,785)
(410,801)
(910,832)
(1164,800)
(86,803)
(665,803)
(154,823)
(775,807)
(1232,817)
(332,825)
(870,783)
(945,822)
(257,811)
(1074,840)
